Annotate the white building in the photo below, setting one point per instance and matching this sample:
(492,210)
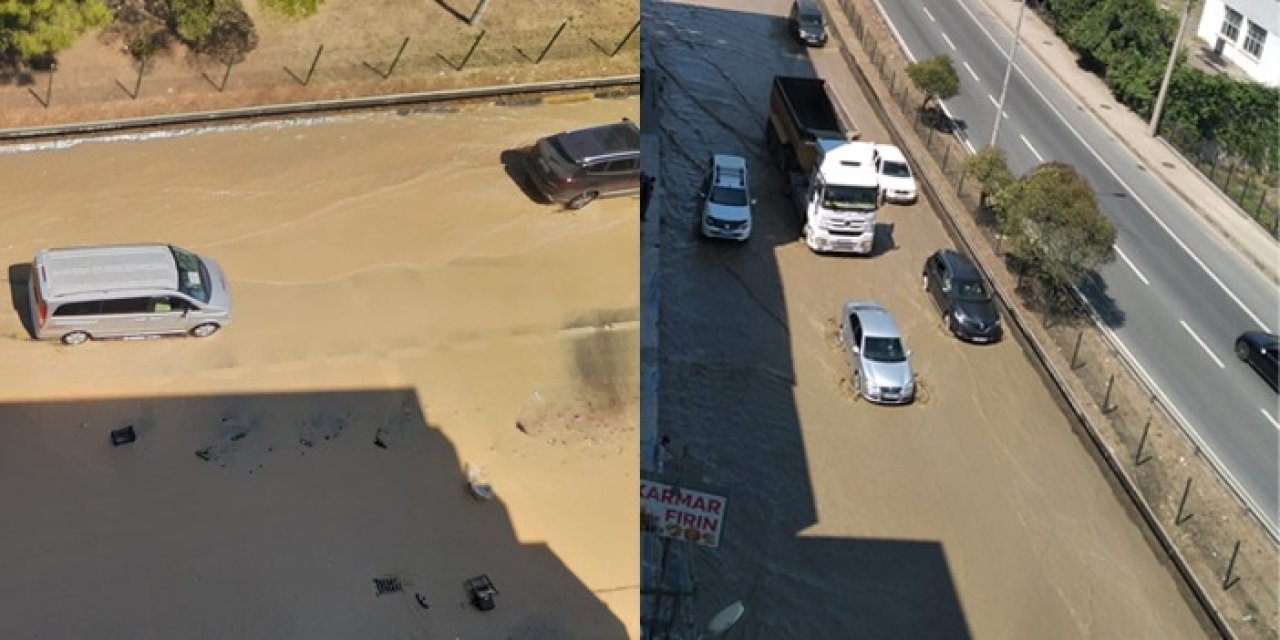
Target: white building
(1247,33)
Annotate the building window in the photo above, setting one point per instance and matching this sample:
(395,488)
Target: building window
(1231,24)
(1254,41)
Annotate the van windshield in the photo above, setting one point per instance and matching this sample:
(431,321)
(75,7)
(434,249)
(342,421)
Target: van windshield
(848,198)
(193,277)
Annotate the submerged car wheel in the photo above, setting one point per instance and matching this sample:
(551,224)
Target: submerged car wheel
(581,200)
(204,330)
(75,338)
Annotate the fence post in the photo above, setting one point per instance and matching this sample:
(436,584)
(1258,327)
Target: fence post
(475,15)
(476,43)
(625,39)
(552,41)
(396,60)
(1076,352)
(1138,460)
(1178,519)
(137,86)
(1228,581)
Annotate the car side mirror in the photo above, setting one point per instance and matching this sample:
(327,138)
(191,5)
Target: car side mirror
(908,353)
(854,348)
(753,201)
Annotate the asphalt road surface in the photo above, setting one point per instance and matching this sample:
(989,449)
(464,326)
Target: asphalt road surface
(1178,294)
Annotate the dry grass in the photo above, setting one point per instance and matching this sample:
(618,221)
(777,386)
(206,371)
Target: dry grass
(95,79)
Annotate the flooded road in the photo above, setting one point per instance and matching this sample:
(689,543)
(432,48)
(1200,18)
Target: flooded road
(975,512)
(402,311)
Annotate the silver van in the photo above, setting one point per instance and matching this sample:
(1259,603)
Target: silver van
(125,291)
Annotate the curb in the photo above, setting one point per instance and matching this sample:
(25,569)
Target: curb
(511,95)
(1268,270)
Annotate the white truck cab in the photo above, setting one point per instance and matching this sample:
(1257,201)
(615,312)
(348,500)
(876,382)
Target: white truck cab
(840,204)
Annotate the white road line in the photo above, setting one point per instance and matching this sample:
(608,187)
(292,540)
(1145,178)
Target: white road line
(896,36)
(1212,276)
(971,71)
(1033,149)
(1132,266)
(929,15)
(994,102)
(1202,344)
(1273,420)
(953,48)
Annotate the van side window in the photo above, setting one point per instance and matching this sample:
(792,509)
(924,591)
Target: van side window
(78,309)
(169,304)
(122,306)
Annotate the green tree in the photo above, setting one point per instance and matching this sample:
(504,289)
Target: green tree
(220,30)
(990,168)
(34,28)
(294,8)
(936,77)
(1052,223)
(1127,42)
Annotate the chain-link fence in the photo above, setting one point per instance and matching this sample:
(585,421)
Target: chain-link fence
(98,79)
(1254,190)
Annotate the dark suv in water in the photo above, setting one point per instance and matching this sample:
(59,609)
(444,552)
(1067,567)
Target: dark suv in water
(575,167)
(956,287)
(807,23)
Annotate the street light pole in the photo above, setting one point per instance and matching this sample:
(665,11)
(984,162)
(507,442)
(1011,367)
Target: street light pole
(1008,71)
(1168,71)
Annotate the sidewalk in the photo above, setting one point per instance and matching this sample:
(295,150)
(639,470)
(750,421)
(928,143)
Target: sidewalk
(1156,155)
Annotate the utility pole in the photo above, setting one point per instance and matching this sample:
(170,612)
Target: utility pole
(1008,71)
(1168,71)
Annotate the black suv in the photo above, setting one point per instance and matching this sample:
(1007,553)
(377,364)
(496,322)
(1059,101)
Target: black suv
(807,23)
(1259,350)
(957,289)
(576,167)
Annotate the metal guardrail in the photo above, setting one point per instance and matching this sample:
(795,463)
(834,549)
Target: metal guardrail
(629,82)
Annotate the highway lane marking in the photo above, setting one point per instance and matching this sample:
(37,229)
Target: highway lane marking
(1200,263)
(927,14)
(972,73)
(1131,265)
(996,104)
(912,58)
(1273,420)
(894,28)
(1202,344)
(953,48)
(1033,149)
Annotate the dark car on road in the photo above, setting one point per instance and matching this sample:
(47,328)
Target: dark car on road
(807,23)
(576,167)
(964,300)
(1259,349)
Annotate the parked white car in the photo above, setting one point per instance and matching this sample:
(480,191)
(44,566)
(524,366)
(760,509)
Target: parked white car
(897,184)
(726,199)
